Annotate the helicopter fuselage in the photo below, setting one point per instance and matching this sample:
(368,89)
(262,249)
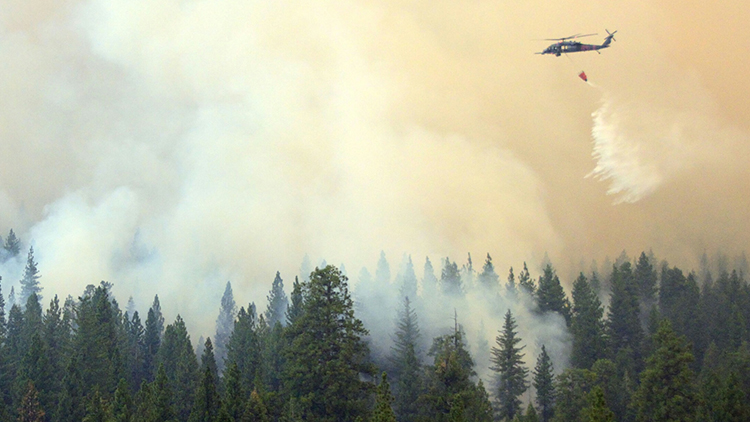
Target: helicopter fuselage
(571,47)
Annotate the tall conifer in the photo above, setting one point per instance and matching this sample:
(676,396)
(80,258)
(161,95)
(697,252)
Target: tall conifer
(507,361)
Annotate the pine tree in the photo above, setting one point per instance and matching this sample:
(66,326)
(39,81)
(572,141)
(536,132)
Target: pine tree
(450,279)
(667,392)
(206,407)
(488,278)
(122,406)
(597,411)
(408,286)
(531,414)
(152,339)
(507,361)
(525,282)
(277,302)
(96,409)
(70,407)
(225,325)
(468,275)
(30,280)
(587,326)
(294,310)
(234,394)
(244,347)
(543,383)
(327,353)
(3,323)
(551,296)
(256,410)
(429,281)
(178,359)
(510,287)
(136,351)
(645,277)
(30,410)
(12,245)
(159,405)
(406,363)
(573,387)
(57,338)
(450,393)
(623,323)
(97,343)
(383,411)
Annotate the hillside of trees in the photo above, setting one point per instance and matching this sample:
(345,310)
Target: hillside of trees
(643,341)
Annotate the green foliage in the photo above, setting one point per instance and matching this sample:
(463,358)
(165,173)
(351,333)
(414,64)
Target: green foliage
(531,414)
(152,339)
(234,393)
(587,326)
(406,364)
(30,280)
(572,386)
(623,323)
(30,410)
(12,244)
(96,342)
(277,302)
(597,410)
(383,411)
(488,278)
(122,405)
(550,295)
(666,392)
(244,347)
(450,279)
(525,282)
(256,410)
(327,353)
(178,359)
(224,325)
(507,361)
(96,409)
(544,385)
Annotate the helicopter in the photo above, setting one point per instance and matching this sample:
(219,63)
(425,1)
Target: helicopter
(564,45)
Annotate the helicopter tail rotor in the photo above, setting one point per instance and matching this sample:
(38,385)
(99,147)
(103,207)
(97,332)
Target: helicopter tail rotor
(611,35)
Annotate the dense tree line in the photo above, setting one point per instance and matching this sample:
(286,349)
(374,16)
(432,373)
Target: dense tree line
(667,346)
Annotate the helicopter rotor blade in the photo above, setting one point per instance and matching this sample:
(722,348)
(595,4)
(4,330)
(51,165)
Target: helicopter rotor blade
(569,38)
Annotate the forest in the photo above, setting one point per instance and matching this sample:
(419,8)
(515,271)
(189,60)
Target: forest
(632,340)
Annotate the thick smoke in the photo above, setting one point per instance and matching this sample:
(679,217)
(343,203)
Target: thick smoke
(168,146)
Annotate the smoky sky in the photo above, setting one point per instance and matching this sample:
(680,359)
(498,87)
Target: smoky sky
(168,146)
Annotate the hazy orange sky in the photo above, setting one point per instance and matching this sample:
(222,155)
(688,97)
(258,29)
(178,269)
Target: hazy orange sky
(168,146)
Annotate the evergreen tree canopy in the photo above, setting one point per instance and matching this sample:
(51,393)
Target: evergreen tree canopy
(383,411)
(623,322)
(525,282)
(667,392)
(177,358)
(12,244)
(30,280)
(450,279)
(408,286)
(551,296)
(406,363)
(225,324)
(507,361)
(544,385)
(277,302)
(327,353)
(587,325)
(488,278)
(429,280)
